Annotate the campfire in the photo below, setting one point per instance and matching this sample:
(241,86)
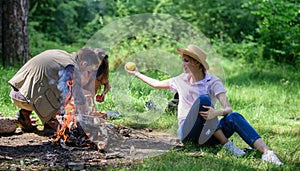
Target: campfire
(69,130)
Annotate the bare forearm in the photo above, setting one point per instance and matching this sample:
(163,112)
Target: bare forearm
(225,111)
(106,88)
(225,103)
(153,82)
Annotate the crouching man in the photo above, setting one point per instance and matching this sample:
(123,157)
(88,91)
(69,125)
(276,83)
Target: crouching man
(36,87)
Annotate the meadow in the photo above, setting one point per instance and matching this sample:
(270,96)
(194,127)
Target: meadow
(268,97)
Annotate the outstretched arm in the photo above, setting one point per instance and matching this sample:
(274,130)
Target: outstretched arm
(164,84)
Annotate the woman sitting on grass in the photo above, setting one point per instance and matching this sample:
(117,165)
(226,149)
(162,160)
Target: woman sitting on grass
(196,86)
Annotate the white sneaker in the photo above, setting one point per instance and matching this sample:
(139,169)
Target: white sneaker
(270,156)
(231,148)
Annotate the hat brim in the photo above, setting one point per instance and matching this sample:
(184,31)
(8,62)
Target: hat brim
(194,56)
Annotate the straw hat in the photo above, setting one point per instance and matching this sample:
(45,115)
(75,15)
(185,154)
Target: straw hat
(195,52)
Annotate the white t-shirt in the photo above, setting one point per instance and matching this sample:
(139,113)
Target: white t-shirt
(189,92)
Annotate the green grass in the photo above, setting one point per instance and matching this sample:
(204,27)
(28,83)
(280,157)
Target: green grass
(7,108)
(267,97)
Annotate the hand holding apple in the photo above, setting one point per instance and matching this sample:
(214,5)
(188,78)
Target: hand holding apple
(130,66)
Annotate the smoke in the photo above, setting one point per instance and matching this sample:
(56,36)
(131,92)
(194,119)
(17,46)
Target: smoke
(64,76)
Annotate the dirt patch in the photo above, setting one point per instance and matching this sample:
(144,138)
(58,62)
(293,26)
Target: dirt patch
(26,151)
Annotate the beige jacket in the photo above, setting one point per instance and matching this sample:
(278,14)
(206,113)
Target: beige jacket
(37,81)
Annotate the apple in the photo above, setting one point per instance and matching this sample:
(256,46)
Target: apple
(100,98)
(130,66)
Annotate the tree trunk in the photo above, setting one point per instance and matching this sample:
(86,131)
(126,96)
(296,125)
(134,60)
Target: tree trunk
(15,41)
(1,30)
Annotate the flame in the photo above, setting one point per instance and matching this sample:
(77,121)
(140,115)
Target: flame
(68,129)
(68,120)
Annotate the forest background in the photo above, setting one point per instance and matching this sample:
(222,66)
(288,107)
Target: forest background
(247,30)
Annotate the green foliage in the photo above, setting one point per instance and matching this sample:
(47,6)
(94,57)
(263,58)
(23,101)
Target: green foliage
(67,22)
(251,30)
(246,52)
(224,19)
(279,29)
(39,42)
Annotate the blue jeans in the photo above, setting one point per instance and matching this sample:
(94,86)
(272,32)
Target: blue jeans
(229,124)
(235,122)
(192,126)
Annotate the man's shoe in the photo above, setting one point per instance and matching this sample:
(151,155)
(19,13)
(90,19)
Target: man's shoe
(270,156)
(51,126)
(25,123)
